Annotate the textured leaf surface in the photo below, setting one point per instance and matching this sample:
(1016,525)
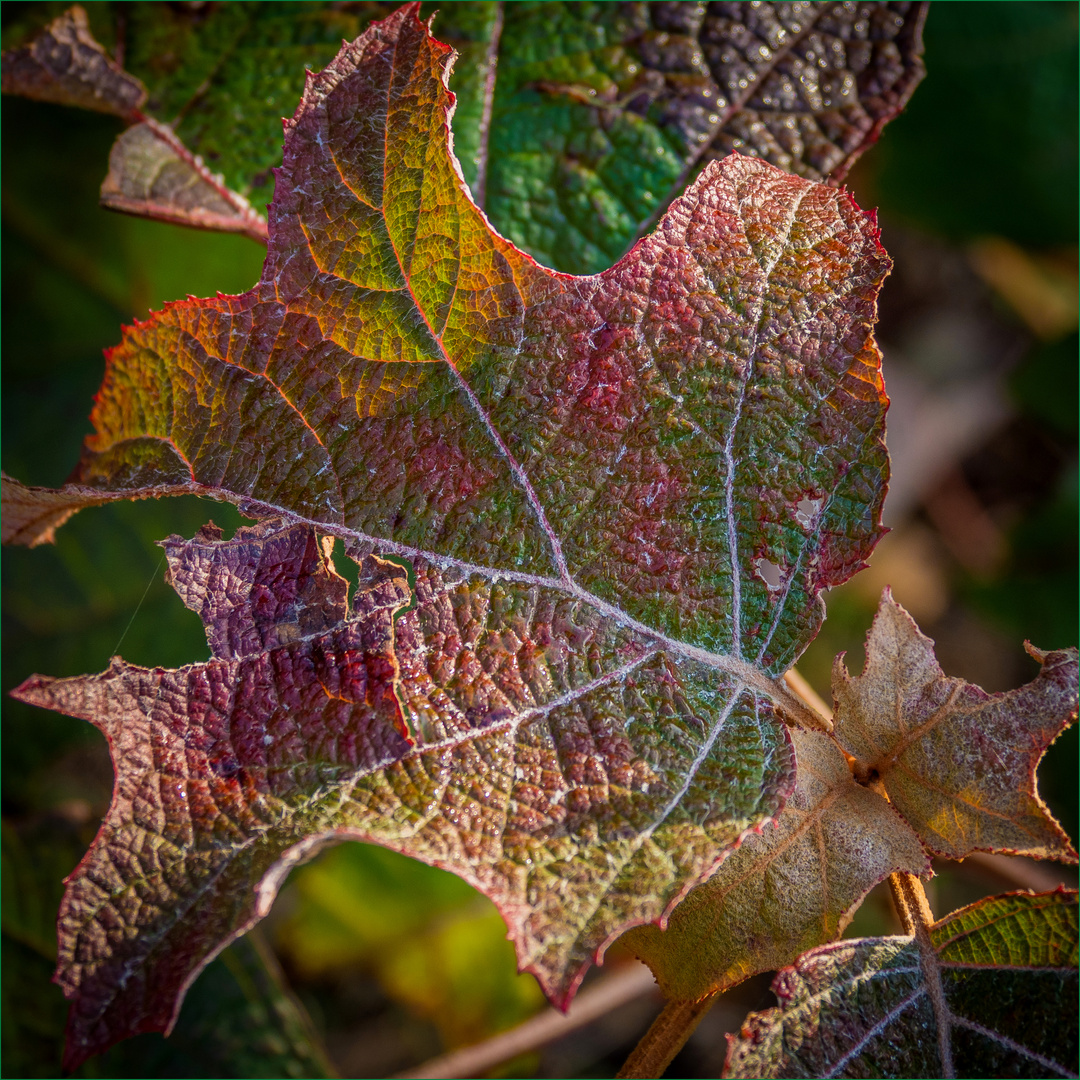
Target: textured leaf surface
(65,65)
(601,111)
(239,1019)
(576,123)
(618,498)
(559,761)
(958,763)
(787,889)
(995,995)
(694,435)
(957,766)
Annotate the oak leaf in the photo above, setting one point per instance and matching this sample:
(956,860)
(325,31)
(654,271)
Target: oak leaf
(615,501)
(694,436)
(565,764)
(991,993)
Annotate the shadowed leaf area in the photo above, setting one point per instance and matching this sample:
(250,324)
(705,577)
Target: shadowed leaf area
(576,123)
(992,993)
(239,1019)
(593,518)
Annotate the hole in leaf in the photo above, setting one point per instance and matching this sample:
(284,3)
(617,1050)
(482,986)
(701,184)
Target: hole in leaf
(769,572)
(345,567)
(806,511)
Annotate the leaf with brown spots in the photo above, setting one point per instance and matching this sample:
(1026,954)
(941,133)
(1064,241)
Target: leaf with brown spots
(65,65)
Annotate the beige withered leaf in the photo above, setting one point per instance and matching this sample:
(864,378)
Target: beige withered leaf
(65,65)
(152,174)
(787,888)
(957,762)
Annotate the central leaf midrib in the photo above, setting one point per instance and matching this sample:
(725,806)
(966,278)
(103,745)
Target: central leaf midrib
(515,467)
(734,662)
(755,677)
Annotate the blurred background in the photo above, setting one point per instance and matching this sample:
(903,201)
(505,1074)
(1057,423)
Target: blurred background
(370,963)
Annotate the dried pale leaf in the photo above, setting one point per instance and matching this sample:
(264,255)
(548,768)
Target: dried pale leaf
(995,994)
(787,888)
(958,763)
(65,65)
(152,174)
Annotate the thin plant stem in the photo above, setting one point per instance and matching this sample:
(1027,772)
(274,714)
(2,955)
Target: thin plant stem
(914,909)
(667,1036)
(605,994)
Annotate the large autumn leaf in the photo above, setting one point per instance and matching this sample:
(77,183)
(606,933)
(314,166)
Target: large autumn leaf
(991,990)
(573,769)
(647,476)
(576,123)
(692,438)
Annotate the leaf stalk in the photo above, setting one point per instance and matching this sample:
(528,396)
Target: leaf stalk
(668,1035)
(911,902)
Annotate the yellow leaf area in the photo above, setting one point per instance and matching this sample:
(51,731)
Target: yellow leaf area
(918,764)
